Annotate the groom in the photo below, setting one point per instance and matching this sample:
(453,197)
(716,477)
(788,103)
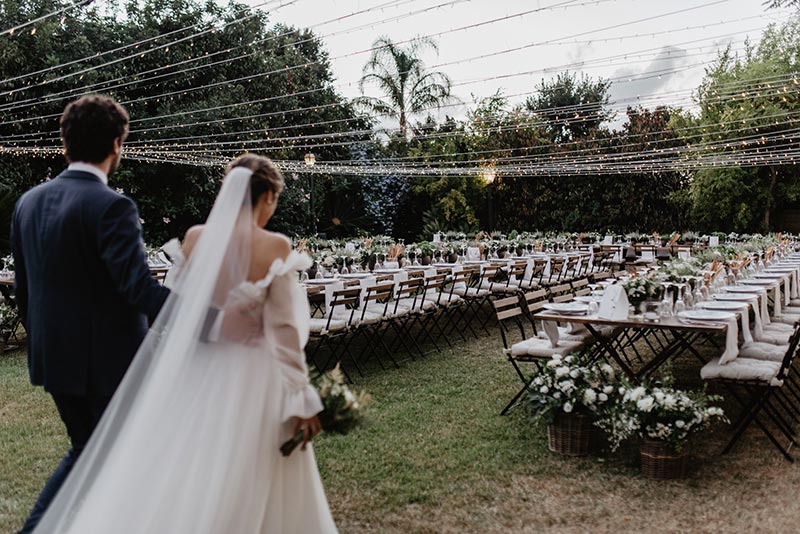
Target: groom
(83,286)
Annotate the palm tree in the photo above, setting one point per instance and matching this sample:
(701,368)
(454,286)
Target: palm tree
(399,73)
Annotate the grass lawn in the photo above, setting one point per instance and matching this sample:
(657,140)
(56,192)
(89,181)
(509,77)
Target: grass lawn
(439,458)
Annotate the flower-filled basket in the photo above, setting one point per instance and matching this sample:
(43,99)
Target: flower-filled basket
(567,394)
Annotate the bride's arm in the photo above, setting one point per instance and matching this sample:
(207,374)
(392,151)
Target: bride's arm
(286,319)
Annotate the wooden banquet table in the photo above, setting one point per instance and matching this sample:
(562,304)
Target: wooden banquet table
(666,339)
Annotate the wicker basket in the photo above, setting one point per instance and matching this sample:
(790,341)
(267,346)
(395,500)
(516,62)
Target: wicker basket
(662,462)
(572,434)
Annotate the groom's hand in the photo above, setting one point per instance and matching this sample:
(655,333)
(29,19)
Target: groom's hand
(240,323)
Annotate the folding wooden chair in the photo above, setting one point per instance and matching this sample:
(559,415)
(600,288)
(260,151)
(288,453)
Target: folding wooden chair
(518,348)
(770,393)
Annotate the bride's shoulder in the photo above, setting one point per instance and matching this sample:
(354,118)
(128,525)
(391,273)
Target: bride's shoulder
(271,246)
(192,235)
(274,253)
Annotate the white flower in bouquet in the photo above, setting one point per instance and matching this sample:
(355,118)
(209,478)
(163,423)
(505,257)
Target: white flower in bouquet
(562,372)
(637,393)
(568,407)
(603,397)
(645,404)
(544,389)
(680,423)
(574,373)
(589,397)
(608,390)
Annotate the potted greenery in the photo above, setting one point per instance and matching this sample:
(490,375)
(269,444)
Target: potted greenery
(664,418)
(566,394)
(425,251)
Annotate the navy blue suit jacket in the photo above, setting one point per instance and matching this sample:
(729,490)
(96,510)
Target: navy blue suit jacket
(83,286)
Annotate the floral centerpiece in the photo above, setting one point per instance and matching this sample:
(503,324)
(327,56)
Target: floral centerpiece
(640,289)
(343,409)
(677,270)
(566,394)
(664,418)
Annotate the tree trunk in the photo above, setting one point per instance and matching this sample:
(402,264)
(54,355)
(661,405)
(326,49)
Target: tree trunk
(403,122)
(773,179)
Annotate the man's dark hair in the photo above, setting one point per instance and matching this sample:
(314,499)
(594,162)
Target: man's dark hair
(89,127)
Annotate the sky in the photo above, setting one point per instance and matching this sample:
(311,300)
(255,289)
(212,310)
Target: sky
(654,52)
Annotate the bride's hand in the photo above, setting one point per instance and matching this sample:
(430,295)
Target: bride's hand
(309,427)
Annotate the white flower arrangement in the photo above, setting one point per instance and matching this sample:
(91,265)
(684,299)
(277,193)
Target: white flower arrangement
(658,413)
(567,385)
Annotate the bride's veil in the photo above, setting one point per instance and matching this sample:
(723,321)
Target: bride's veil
(219,262)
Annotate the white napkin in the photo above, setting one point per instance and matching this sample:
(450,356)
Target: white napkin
(473,253)
(762,295)
(329,289)
(744,310)
(551,330)
(731,342)
(614,305)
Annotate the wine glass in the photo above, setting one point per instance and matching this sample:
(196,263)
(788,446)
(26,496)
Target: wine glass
(665,308)
(679,305)
(699,296)
(303,277)
(320,273)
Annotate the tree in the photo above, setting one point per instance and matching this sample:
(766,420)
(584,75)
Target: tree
(399,72)
(573,107)
(747,104)
(287,84)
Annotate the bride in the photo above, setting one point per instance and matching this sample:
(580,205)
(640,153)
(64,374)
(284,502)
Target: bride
(190,442)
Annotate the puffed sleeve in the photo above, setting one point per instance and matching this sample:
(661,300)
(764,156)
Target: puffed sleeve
(287,321)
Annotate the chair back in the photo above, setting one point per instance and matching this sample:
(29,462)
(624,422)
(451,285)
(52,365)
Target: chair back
(407,289)
(509,319)
(379,293)
(347,299)
(791,352)
(558,291)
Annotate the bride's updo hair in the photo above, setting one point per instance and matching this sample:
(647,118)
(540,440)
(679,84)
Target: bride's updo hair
(266,176)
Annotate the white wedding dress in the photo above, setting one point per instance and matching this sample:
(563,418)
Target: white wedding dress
(190,443)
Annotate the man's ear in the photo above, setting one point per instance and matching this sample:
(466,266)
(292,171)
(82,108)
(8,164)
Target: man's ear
(117,146)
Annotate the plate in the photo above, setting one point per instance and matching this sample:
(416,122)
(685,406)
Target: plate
(762,283)
(443,265)
(475,262)
(588,298)
(723,305)
(567,308)
(742,289)
(320,281)
(355,276)
(705,315)
(735,297)
(770,276)
(387,271)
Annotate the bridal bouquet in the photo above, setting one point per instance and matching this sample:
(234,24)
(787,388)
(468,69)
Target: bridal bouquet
(343,410)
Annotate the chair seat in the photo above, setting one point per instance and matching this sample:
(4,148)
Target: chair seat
(526,284)
(787,319)
(743,370)
(449,299)
(581,335)
(321,327)
(763,351)
(540,348)
(774,338)
(470,292)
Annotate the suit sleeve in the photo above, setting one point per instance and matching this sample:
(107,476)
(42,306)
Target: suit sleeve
(122,251)
(20,275)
